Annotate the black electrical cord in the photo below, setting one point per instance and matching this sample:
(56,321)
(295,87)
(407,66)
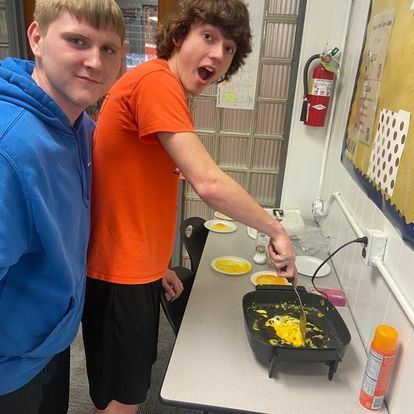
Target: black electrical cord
(363,240)
(304,111)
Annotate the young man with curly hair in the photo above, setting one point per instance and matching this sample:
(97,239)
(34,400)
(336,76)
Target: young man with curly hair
(144,133)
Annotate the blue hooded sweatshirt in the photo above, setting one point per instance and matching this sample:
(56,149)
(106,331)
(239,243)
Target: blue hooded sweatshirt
(45,170)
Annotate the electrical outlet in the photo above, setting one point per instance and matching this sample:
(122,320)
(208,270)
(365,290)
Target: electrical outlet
(375,247)
(317,208)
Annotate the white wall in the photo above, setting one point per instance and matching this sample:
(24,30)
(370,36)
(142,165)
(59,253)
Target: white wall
(369,297)
(324,27)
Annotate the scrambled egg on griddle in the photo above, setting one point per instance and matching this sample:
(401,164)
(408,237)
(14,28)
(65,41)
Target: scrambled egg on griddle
(287,328)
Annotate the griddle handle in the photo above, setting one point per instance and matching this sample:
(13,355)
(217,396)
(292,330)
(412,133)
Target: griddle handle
(280,287)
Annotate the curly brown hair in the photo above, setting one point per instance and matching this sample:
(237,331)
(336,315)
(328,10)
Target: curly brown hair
(230,16)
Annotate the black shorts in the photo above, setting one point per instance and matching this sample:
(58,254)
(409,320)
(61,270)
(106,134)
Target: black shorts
(46,393)
(120,334)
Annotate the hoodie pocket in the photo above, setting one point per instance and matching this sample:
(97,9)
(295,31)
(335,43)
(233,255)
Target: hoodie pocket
(65,331)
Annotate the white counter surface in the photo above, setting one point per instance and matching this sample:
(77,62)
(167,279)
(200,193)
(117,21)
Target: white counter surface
(212,365)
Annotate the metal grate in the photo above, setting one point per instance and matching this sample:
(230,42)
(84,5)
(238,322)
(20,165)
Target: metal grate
(141,18)
(284,7)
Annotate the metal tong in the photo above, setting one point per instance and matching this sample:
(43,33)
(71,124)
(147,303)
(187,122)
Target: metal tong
(302,317)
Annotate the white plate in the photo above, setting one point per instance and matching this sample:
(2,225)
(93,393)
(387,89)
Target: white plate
(231,265)
(254,276)
(222,216)
(220,226)
(307,265)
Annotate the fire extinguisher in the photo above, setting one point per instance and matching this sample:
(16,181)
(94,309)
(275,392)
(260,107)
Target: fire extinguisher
(318,92)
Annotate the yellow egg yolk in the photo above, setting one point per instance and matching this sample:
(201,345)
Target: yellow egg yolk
(231,266)
(271,280)
(219,226)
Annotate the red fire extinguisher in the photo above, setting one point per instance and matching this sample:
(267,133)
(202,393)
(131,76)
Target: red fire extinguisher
(318,91)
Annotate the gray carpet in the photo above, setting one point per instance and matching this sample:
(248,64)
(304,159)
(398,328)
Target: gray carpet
(80,402)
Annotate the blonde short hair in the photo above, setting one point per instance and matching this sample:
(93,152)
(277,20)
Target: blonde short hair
(100,14)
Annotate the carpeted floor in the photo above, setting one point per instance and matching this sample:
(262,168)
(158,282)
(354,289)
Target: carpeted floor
(80,402)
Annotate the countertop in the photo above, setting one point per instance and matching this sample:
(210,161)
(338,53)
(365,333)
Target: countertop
(212,365)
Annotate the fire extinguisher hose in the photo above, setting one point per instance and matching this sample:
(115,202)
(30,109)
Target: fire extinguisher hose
(304,112)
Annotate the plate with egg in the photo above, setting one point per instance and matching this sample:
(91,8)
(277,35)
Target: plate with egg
(268,277)
(220,226)
(222,216)
(231,265)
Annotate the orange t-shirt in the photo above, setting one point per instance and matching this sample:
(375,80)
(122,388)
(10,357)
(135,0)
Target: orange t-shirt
(135,182)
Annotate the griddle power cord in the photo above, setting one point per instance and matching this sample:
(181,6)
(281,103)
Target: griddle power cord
(304,111)
(362,240)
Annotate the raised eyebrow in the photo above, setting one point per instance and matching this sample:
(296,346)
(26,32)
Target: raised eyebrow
(229,40)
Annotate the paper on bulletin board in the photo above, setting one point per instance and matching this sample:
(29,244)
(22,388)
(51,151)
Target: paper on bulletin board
(384,166)
(240,91)
(388,149)
(364,122)
(376,54)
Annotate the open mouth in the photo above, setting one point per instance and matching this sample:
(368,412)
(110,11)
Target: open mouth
(205,73)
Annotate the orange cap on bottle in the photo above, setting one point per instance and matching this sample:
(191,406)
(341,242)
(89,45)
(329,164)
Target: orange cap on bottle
(385,338)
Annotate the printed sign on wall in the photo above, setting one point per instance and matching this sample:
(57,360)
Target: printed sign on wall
(240,91)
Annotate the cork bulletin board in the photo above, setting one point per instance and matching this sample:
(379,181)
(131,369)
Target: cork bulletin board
(379,143)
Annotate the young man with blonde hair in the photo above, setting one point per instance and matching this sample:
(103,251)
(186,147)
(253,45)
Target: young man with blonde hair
(45,176)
